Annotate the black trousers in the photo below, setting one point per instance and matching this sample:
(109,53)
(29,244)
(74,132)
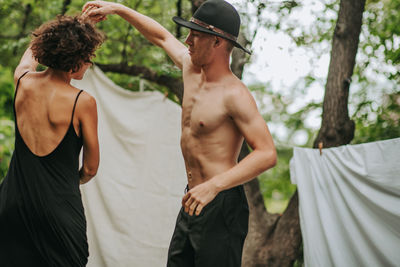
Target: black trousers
(215,238)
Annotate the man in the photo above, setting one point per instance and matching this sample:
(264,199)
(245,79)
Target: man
(218,111)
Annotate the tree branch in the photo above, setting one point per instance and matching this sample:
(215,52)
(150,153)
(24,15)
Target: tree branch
(174,85)
(179,14)
(13,37)
(28,11)
(239,57)
(66,3)
(124,58)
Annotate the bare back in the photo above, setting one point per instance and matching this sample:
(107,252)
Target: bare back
(44,108)
(210,140)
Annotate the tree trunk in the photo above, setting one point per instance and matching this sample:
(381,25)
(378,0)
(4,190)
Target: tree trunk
(337,128)
(276,240)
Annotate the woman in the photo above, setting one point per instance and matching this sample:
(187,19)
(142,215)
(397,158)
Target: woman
(42,221)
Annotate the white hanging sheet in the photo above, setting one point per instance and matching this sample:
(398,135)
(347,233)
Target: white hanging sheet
(349,204)
(132,203)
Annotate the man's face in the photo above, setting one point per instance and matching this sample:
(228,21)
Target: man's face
(200,47)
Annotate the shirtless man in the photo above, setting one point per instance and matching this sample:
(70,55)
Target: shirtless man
(218,112)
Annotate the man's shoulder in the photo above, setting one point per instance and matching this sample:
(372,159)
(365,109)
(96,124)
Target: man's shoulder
(237,96)
(236,88)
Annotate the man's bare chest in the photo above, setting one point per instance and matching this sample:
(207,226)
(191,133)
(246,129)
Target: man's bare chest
(203,112)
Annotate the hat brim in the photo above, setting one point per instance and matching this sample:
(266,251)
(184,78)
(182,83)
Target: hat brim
(196,27)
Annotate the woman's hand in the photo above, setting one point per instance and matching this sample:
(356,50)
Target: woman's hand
(94,18)
(98,10)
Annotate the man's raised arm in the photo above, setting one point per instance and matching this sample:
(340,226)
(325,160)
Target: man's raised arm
(150,28)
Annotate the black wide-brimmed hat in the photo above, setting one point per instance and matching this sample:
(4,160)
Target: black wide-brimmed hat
(216,17)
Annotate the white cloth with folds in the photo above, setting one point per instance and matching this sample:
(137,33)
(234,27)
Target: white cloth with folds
(132,203)
(349,204)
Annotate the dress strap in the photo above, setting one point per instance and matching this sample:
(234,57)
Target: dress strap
(73,109)
(15,93)
(20,79)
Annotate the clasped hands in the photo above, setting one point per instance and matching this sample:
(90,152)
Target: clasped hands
(97,11)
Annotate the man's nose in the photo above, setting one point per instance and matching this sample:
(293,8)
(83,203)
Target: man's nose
(188,39)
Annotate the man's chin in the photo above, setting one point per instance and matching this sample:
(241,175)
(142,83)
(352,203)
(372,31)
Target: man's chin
(195,62)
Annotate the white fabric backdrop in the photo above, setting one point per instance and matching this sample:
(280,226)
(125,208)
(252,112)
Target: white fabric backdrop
(132,203)
(349,204)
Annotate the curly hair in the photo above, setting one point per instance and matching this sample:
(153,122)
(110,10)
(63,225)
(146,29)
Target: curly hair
(66,43)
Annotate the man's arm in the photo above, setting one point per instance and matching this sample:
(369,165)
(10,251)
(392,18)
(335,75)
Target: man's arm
(150,28)
(27,63)
(243,110)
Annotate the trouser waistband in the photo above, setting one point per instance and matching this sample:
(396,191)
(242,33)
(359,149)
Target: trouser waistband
(239,187)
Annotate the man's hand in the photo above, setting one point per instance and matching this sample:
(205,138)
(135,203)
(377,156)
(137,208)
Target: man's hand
(99,9)
(198,197)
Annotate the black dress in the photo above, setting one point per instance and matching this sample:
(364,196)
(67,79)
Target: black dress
(42,221)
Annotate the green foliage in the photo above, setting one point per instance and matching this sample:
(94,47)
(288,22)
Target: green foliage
(7,92)
(275,184)
(374,101)
(383,20)
(6,145)
(378,122)
(6,116)
(124,44)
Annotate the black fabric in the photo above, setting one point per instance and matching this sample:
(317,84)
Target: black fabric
(215,237)
(220,14)
(42,220)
